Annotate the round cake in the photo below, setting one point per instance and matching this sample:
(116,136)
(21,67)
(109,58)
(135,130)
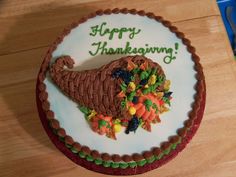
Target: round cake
(121,92)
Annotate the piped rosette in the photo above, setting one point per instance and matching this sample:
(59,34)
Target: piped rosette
(126,94)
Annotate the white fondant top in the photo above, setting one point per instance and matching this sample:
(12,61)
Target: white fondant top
(180,71)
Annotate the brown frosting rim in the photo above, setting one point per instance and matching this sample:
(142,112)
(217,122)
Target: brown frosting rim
(181,133)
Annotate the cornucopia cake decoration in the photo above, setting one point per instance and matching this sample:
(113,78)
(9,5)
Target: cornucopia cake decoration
(130,92)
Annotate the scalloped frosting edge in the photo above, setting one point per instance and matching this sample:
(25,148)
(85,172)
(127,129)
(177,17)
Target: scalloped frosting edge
(91,156)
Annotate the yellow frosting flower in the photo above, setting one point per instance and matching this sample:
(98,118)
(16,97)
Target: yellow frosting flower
(92,114)
(167,85)
(117,128)
(146,86)
(159,95)
(132,86)
(152,80)
(163,109)
(132,110)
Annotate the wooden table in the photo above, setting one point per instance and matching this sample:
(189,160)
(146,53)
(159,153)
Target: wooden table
(28,27)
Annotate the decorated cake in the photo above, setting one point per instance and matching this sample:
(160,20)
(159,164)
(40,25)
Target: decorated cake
(121,91)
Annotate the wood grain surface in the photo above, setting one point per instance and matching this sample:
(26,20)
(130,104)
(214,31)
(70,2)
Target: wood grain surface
(28,27)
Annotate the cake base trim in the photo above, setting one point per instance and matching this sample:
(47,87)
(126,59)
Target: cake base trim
(112,164)
(137,169)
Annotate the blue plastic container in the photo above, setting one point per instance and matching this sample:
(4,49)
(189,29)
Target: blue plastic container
(222,6)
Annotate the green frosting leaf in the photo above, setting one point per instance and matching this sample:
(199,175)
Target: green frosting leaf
(167,151)
(74,150)
(154,70)
(68,145)
(146,91)
(160,79)
(124,165)
(144,75)
(173,146)
(141,122)
(149,71)
(106,164)
(142,162)
(166,100)
(136,70)
(102,123)
(154,87)
(132,78)
(159,156)
(98,161)
(132,164)
(89,158)
(148,104)
(114,165)
(84,110)
(131,96)
(151,159)
(123,103)
(154,106)
(138,87)
(123,87)
(81,154)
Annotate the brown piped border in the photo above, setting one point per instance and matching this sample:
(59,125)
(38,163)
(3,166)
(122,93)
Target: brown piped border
(185,133)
